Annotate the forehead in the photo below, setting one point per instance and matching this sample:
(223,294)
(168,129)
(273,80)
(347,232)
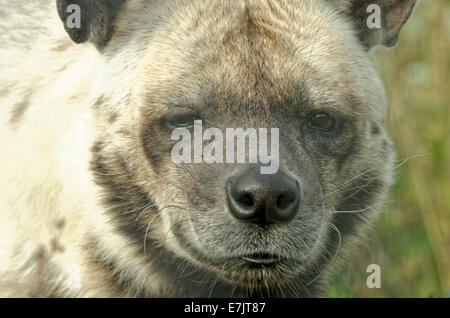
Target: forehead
(264,54)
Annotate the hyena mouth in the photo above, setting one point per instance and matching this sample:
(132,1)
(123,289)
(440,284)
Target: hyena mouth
(262,259)
(259,270)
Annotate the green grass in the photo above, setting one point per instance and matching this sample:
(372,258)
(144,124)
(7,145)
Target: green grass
(411,241)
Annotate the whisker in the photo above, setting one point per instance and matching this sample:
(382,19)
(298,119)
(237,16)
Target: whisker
(153,218)
(335,255)
(365,209)
(145,207)
(402,163)
(412,157)
(146,235)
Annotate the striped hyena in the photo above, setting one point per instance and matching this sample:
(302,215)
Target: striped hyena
(92,202)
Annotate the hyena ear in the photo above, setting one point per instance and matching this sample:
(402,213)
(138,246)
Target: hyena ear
(89,20)
(379,21)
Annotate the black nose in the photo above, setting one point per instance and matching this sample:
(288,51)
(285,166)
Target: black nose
(263,199)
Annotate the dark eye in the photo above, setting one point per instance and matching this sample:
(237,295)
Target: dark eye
(181,120)
(322,121)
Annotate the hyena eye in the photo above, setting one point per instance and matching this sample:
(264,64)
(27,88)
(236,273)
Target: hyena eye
(181,120)
(322,121)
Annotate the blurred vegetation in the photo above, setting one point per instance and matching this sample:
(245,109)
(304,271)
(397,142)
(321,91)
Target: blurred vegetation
(411,241)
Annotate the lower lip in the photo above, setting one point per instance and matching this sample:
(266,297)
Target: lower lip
(262,259)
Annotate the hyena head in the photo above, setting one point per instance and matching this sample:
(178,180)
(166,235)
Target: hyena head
(222,229)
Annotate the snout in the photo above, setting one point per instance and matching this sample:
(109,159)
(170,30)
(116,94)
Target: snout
(261,199)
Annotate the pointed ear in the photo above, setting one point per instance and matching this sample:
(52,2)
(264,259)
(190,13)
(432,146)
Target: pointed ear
(89,20)
(379,21)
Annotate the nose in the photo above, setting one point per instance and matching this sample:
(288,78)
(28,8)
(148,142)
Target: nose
(263,199)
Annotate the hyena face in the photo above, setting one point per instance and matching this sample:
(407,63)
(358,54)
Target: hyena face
(300,66)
